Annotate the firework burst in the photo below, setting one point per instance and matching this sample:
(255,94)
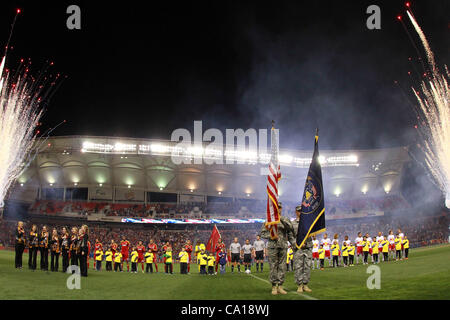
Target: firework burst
(20,98)
(434,112)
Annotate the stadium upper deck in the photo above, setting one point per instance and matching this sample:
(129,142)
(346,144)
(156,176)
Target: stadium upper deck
(139,170)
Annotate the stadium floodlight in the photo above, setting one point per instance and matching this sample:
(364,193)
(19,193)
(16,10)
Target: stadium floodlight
(161,188)
(51,184)
(286,158)
(100,184)
(75,183)
(21,184)
(129,186)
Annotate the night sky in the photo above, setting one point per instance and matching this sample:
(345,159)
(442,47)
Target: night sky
(136,70)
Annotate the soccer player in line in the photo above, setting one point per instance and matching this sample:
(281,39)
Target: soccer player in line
(359,247)
(335,253)
(134,260)
(401,236)
(140,248)
(260,248)
(369,240)
(235,249)
(321,253)
(188,248)
(315,252)
(219,246)
(380,240)
(385,250)
(98,259)
(326,242)
(149,256)
(153,247)
(351,255)
(97,246)
(168,267)
(108,259)
(124,250)
(391,239)
(246,251)
(347,244)
(405,244)
(183,256)
(198,250)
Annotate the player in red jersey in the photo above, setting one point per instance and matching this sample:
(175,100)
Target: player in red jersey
(98,246)
(113,247)
(164,249)
(154,249)
(124,250)
(140,248)
(219,246)
(188,248)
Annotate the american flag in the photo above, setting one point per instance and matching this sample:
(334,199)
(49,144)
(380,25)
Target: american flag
(273,213)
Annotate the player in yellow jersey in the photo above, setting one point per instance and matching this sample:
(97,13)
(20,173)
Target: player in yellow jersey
(351,254)
(198,250)
(365,245)
(335,253)
(211,263)
(385,245)
(183,256)
(406,246)
(375,245)
(345,254)
(202,261)
(98,259)
(289,258)
(117,261)
(149,258)
(398,247)
(134,260)
(321,253)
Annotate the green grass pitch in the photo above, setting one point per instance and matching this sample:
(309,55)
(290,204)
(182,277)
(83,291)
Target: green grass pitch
(426,275)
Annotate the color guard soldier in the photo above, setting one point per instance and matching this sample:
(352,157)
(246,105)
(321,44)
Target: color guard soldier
(43,246)
(20,244)
(33,246)
(54,251)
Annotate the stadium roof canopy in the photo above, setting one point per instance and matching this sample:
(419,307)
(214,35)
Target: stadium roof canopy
(112,167)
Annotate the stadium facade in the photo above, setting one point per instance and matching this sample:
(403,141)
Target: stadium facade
(138,170)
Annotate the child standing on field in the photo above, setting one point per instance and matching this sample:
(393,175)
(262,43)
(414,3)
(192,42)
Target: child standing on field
(321,253)
(222,261)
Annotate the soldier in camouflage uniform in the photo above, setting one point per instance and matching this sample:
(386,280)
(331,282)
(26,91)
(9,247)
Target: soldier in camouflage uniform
(302,258)
(277,250)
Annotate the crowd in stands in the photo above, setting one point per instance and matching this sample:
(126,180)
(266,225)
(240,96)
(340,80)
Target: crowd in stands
(238,208)
(420,229)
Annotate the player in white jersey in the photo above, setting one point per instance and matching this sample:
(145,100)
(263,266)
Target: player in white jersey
(401,236)
(380,238)
(326,242)
(359,251)
(391,239)
(315,252)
